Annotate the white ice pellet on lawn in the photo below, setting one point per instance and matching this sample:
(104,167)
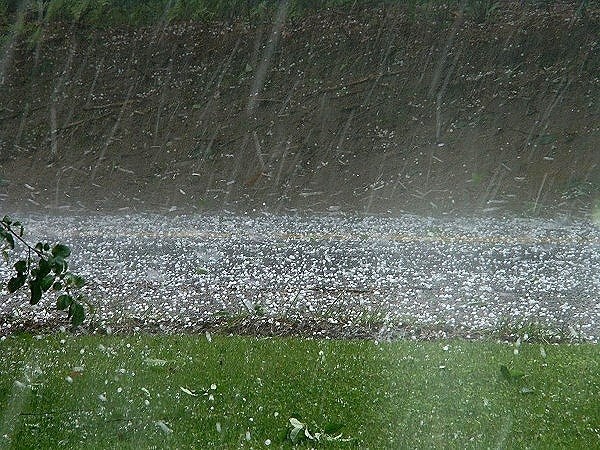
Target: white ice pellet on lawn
(213,386)
(268,442)
(163,426)
(102,397)
(218,427)
(69,380)
(248,435)
(188,392)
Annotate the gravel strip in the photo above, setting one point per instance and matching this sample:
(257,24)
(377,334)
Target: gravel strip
(330,276)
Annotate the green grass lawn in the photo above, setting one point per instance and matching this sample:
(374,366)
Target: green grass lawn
(149,391)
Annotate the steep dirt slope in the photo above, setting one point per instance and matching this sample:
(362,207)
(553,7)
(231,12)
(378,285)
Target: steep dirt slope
(378,109)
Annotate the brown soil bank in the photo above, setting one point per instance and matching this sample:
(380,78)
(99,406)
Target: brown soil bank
(377,109)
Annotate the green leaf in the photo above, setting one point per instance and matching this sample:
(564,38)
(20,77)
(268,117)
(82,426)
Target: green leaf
(63,302)
(7,220)
(78,314)
(21,266)
(59,265)
(36,291)
(61,250)
(46,282)
(57,286)
(78,281)
(5,256)
(16,283)
(44,268)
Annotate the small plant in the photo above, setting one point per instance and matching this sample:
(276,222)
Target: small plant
(510,375)
(515,376)
(482,11)
(44,269)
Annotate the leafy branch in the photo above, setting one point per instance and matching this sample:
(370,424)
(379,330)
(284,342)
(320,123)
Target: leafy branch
(44,269)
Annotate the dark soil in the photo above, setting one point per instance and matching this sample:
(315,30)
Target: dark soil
(379,109)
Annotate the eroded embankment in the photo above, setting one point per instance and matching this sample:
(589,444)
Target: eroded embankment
(371,109)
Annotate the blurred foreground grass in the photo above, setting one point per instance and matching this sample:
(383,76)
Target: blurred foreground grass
(148,391)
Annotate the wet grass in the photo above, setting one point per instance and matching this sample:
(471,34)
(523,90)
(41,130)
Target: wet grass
(148,391)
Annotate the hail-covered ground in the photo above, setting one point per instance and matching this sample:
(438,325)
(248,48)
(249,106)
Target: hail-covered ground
(336,276)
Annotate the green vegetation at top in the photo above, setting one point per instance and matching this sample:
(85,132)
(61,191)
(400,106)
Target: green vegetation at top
(147,12)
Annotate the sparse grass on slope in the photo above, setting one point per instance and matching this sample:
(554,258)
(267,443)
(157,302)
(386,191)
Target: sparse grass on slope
(149,391)
(146,12)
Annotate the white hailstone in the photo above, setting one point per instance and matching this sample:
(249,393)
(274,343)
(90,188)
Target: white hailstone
(218,427)
(268,442)
(82,351)
(213,386)
(163,426)
(146,402)
(102,397)
(119,390)
(248,435)
(69,380)
(211,398)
